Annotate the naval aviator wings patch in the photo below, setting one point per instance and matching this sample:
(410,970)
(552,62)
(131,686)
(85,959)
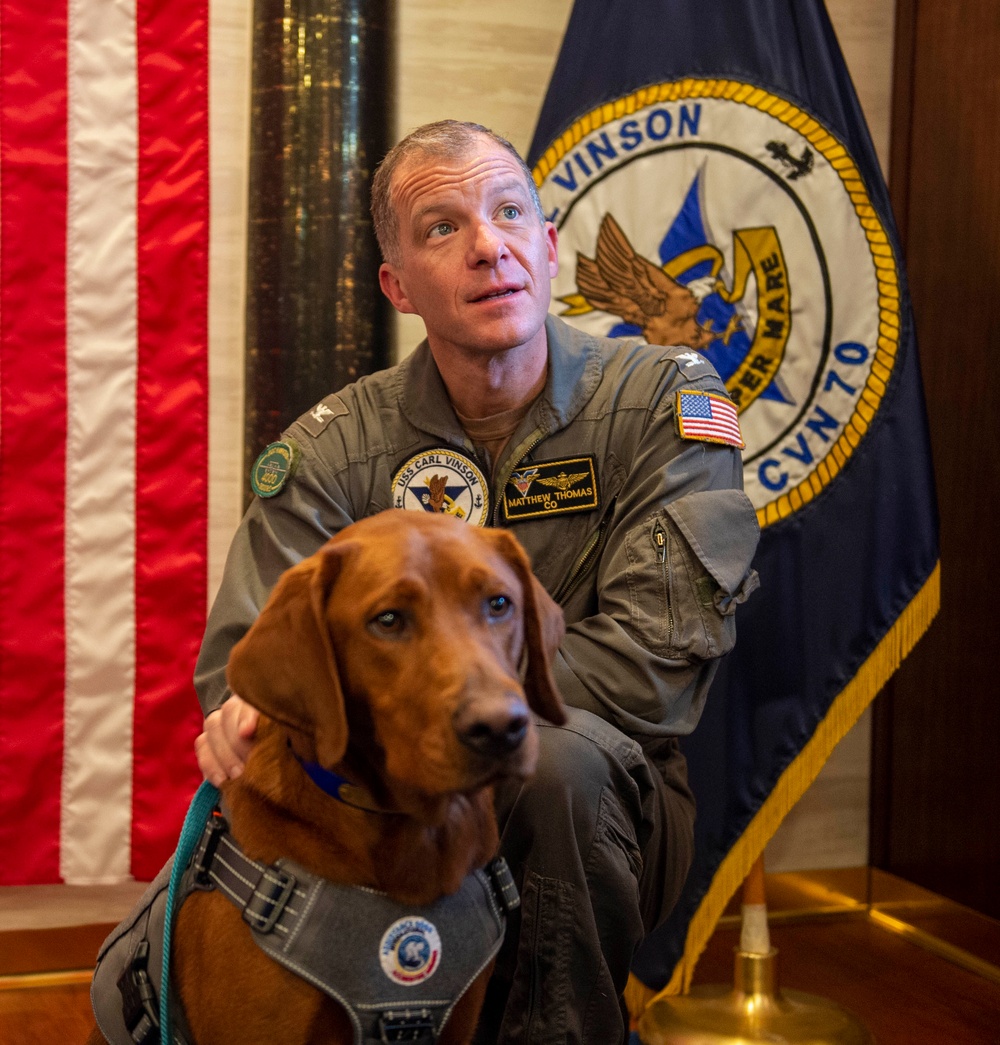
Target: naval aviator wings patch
(551,488)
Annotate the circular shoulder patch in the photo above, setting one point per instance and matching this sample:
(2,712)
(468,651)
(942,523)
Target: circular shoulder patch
(274,467)
(410,951)
(442,481)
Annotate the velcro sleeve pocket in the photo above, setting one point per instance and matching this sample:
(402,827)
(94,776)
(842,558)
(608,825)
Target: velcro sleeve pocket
(688,569)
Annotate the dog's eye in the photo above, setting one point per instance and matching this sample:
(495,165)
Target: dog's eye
(389,621)
(500,607)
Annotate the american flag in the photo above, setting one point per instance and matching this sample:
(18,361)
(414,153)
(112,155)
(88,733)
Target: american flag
(103,430)
(704,415)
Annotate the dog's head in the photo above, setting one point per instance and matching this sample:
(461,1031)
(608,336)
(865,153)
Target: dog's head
(412,643)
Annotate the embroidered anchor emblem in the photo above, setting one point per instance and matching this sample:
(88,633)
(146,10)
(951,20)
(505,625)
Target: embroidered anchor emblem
(798,166)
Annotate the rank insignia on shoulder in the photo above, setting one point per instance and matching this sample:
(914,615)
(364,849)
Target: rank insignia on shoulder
(274,467)
(316,420)
(551,488)
(708,417)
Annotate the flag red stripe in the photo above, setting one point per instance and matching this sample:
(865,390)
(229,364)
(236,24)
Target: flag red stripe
(33,178)
(171,419)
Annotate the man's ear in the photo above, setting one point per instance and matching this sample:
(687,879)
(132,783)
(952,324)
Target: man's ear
(552,241)
(392,287)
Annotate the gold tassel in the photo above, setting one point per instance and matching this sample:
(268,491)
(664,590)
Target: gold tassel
(792,784)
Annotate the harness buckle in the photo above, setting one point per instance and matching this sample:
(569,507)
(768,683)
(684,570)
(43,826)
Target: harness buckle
(270,895)
(503,885)
(201,862)
(140,1008)
(416,1025)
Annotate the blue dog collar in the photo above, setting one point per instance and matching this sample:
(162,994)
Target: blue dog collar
(340,788)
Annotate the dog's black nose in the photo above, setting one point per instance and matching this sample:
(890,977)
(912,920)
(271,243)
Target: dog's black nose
(494,728)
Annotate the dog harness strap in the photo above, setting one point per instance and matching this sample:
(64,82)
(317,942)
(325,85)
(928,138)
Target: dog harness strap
(261,891)
(397,970)
(503,885)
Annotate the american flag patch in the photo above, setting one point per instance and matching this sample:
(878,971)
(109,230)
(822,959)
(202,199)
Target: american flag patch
(709,417)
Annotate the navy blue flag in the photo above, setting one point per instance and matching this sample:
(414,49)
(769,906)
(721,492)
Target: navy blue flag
(714,184)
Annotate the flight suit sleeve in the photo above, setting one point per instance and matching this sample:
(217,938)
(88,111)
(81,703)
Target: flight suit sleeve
(675,565)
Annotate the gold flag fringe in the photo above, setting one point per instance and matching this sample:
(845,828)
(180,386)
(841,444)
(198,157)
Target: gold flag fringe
(793,782)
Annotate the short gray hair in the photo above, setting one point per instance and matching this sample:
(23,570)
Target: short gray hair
(450,139)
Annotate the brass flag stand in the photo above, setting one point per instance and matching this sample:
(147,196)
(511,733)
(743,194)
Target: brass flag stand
(754,1011)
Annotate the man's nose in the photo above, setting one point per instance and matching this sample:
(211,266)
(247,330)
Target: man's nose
(488,246)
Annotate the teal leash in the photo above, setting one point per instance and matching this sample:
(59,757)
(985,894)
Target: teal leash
(205,800)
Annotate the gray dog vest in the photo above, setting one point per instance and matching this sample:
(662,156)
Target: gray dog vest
(397,970)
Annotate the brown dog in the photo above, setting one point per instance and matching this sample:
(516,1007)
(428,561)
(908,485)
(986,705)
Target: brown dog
(391,656)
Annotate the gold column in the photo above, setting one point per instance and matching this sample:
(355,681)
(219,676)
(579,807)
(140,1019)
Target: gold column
(321,119)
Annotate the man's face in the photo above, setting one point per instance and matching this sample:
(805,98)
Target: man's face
(475,261)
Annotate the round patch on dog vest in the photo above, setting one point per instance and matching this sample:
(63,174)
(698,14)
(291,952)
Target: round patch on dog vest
(274,467)
(445,482)
(410,951)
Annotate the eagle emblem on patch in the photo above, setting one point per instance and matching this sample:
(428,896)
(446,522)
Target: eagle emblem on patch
(444,482)
(316,419)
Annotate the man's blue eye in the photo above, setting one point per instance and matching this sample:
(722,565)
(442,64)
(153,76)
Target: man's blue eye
(510,212)
(443,228)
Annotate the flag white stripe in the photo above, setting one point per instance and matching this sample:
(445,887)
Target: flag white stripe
(101,335)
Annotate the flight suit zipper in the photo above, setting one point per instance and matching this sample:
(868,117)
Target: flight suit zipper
(658,536)
(498,488)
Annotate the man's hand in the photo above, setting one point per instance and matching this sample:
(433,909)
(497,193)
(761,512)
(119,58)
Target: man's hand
(223,747)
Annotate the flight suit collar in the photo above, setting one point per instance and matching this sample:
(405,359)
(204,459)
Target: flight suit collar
(575,369)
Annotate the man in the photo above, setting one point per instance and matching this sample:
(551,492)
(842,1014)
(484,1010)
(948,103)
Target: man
(507,416)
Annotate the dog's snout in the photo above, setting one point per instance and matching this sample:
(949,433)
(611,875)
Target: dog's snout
(492,728)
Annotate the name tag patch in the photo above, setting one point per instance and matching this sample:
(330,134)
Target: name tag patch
(551,488)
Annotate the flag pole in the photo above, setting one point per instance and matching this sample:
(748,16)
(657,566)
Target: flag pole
(754,1009)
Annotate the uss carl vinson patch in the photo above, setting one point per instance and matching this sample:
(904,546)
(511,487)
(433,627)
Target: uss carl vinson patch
(717,215)
(442,481)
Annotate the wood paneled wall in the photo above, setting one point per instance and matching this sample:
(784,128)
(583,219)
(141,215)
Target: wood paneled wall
(936,791)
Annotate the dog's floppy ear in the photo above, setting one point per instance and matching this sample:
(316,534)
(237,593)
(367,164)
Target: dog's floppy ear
(544,628)
(285,666)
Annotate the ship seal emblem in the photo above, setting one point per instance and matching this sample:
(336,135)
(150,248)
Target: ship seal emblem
(718,215)
(445,482)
